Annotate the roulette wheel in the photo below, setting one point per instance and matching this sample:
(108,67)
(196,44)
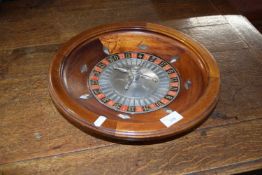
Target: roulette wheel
(134,81)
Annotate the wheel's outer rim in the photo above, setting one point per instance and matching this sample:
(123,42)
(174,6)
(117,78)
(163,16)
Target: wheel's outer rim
(74,112)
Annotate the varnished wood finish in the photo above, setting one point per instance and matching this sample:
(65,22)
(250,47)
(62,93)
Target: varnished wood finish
(195,63)
(35,139)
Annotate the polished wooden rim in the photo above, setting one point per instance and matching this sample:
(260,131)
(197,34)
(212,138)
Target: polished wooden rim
(74,112)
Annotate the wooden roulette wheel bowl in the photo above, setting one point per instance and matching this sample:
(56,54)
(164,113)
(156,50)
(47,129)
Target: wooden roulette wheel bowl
(134,81)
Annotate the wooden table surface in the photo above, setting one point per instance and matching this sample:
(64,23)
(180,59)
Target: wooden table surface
(36,139)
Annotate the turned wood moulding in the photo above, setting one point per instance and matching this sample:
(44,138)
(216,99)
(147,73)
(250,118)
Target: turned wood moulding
(134,81)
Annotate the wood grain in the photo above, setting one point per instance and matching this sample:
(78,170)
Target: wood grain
(249,167)
(240,96)
(34,128)
(31,128)
(204,149)
(221,39)
(248,32)
(67,83)
(31,93)
(35,27)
